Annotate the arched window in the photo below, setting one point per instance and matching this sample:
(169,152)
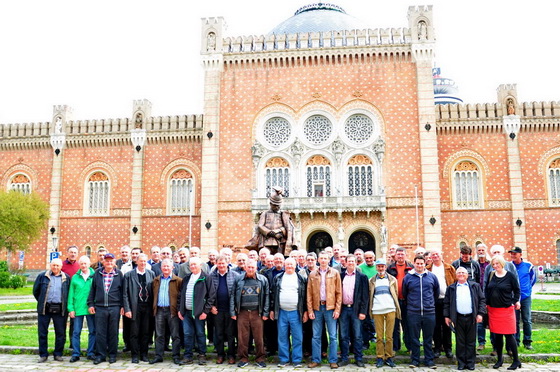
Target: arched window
(467,186)
(277,173)
(88,251)
(98,194)
(20,182)
(554,182)
(181,187)
(462,244)
(360,176)
(318,172)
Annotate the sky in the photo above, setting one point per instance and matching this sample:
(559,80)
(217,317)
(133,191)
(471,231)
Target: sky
(99,56)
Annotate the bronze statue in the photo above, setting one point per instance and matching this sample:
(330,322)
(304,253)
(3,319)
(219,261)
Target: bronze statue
(275,227)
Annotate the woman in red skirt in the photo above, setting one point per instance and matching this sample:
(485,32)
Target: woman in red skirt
(502,299)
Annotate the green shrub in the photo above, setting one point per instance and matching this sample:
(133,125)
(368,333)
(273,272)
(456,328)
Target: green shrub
(3,266)
(17,281)
(8,280)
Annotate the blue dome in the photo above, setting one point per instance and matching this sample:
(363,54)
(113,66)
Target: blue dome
(319,17)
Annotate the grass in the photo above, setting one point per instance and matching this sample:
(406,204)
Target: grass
(545,305)
(24,291)
(19,306)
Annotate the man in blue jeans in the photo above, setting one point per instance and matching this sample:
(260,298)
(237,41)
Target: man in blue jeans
(197,299)
(324,301)
(288,301)
(421,291)
(527,279)
(355,289)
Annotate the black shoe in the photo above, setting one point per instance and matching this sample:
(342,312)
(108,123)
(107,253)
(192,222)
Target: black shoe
(516,364)
(112,360)
(42,359)
(437,354)
(343,363)
(414,365)
(498,364)
(177,361)
(460,368)
(144,358)
(449,354)
(470,368)
(360,364)
(135,360)
(74,359)
(528,346)
(187,361)
(156,360)
(379,363)
(91,357)
(98,360)
(58,358)
(201,360)
(390,363)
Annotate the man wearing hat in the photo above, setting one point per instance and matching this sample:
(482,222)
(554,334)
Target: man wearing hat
(106,302)
(384,309)
(527,279)
(275,226)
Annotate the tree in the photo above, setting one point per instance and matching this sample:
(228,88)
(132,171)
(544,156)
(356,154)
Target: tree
(22,219)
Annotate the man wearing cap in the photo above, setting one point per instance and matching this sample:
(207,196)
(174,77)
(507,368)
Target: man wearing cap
(527,279)
(275,226)
(105,300)
(384,309)
(463,307)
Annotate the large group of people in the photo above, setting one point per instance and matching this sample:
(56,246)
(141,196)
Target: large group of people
(296,306)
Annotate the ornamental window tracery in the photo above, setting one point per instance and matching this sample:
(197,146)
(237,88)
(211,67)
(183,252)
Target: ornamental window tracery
(554,182)
(21,183)
(317,129)
(318,176)
(277,173)
(98,194)
(181,187)
(359,128)
(277,131)
(360,176)
(467,185)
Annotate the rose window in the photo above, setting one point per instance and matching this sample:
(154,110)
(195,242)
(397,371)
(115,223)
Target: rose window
(277,131)
(358,128)
(317,129)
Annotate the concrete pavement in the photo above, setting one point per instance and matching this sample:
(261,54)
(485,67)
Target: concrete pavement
(29,363)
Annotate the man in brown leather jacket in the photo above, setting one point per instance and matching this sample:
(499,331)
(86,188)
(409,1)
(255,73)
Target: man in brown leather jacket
(324,301)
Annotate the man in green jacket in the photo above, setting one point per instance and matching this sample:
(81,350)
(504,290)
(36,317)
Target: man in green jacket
(78,309)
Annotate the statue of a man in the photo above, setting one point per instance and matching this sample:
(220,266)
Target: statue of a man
(275,227)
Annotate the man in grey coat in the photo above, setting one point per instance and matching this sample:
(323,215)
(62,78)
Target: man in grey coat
(138,298)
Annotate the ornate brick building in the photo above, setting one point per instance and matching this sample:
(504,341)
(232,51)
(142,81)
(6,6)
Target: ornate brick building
(343,117)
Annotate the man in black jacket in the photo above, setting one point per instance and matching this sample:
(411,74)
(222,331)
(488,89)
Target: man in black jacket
(138,297)
(463,307)
(106,302)
(288,306)
(197,299)
(51,292)
(223,280)
(355,289)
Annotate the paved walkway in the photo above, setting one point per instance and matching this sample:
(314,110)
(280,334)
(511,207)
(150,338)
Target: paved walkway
(29,363)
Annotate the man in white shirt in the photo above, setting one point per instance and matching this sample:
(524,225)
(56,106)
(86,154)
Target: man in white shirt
(288,304)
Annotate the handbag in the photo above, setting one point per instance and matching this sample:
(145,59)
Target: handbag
(54,308)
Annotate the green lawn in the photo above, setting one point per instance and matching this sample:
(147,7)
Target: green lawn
(19,306)
(545,305)
(27,290)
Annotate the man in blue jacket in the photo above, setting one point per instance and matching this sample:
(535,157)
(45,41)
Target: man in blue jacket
(527,279)
(421,291)
(51,292)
